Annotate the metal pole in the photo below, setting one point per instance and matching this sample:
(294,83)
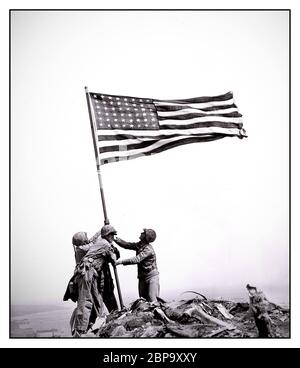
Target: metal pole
(93,129)
(118,287)
(106,220)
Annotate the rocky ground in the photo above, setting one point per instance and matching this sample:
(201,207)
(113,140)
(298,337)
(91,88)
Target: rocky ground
(194,318)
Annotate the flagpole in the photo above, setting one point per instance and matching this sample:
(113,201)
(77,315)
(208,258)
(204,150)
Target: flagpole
(93,128)
(106,220)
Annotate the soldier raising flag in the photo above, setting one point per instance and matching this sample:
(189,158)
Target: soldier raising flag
(146,262)
(125,128)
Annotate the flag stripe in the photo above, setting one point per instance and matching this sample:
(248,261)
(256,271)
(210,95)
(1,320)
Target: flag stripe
(123,139)
(180,120)
(152,146)
(223,97)
(196,105)
(165,147)
(207,109)
(226,112)
(204,124)
(128,146)
(167,132)
(125,142)
(111,141)
(124,136)
(121,145)
(111,135)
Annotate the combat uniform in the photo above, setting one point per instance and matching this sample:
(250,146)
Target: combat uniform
(259,306)
(147,268)
(91,284)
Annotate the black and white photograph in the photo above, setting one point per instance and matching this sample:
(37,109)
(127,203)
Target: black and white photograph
(150,174)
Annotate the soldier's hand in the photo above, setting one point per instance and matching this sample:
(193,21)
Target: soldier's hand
(116,251)
(118,262)
(113,258)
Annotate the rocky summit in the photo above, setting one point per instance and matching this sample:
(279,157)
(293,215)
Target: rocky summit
(194,318)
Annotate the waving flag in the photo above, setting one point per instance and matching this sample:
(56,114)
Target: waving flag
(129,127)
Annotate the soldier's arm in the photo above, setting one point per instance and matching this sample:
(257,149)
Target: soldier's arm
(95,237)
(112,257)
(110,254)
(126,245)
(139,258)
(116,251)
(92,240)
(84,247)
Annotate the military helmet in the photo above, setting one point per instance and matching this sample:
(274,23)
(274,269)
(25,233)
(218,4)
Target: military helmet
(108,229)
(150,235)
(80,238)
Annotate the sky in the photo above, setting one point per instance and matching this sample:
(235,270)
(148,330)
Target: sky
(220,209)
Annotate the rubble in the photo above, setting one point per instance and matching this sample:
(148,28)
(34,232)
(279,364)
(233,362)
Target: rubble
(194,318)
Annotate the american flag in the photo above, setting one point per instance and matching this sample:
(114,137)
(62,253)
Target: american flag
(129,127)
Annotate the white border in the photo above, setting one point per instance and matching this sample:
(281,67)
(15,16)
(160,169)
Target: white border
(159,343)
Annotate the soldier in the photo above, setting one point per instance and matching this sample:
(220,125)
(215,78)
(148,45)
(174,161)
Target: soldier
(81,244)
(146,263)
(259,308)
(92,283)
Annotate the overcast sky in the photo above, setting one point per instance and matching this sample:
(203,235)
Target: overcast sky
(220,209)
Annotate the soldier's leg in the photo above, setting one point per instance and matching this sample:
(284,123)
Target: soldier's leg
(84,307)
(267,325)
(263,327)
(153,289)
(72,321)
(106,288)
(143,289)
(110,302)
(93,317)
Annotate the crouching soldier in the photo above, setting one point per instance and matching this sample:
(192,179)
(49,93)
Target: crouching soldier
(259,304)
(146,263)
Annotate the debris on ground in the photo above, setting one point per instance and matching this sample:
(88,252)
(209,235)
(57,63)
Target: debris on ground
(193,318)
